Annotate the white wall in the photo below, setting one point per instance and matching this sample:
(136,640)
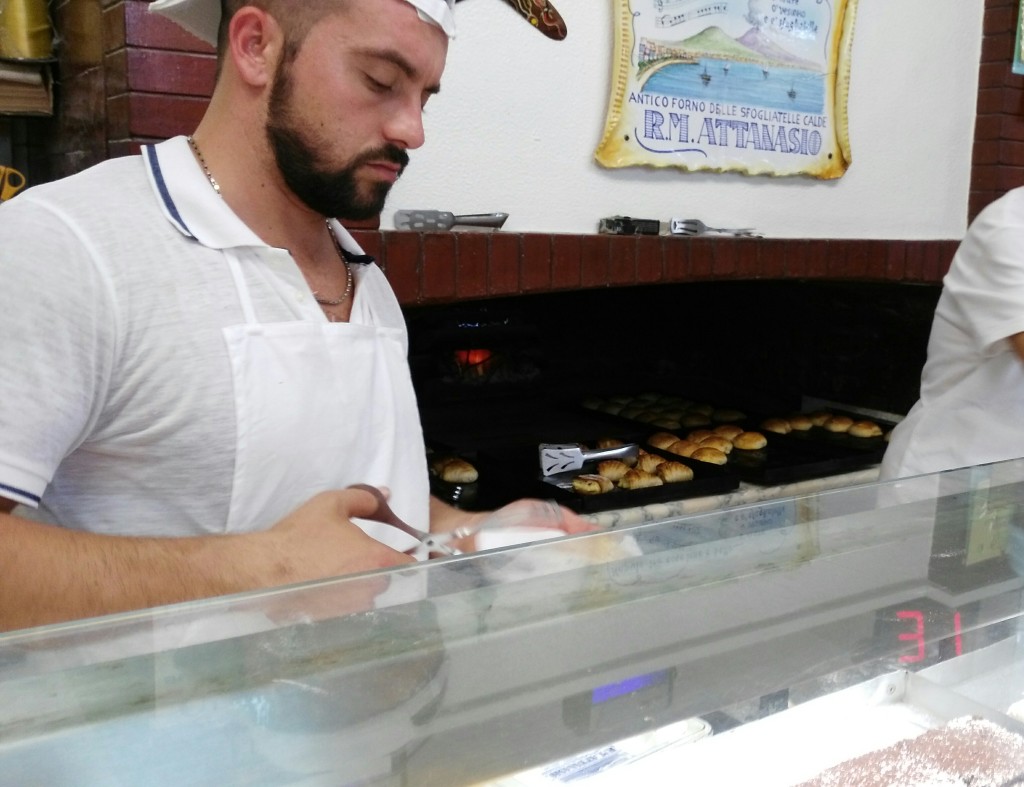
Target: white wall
(519,117)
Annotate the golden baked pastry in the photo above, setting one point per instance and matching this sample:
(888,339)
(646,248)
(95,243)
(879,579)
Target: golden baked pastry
(683,447)
(725,415)
(661,439)
(612,469)
(638,479)
(591,484)
(864,429)
(750,441)
(697,435)
(710,455)
(454,470)
(648,462)
(666,423)
(777,425)
(819,418)
(717,441)
(694,419)
(674,472)
(608,442)
(838,423)
(728,431)
(800,422)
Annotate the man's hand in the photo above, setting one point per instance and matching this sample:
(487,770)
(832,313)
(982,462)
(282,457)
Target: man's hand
(523,513)
(320,540)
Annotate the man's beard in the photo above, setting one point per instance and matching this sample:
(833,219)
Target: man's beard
(333,193)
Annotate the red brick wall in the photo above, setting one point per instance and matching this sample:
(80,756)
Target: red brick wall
(152,80)
(998,161)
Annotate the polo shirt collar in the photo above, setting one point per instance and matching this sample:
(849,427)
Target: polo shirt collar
(189,202)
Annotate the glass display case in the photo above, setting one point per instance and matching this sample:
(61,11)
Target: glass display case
(772,639)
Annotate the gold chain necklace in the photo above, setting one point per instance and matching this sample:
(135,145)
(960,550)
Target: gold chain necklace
(334,238)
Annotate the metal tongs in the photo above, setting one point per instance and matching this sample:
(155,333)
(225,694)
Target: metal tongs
(563,457)
(694,227)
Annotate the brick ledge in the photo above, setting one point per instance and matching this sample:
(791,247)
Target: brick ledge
(442,267)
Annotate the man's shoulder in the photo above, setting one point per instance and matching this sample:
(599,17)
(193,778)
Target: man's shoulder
(101,188)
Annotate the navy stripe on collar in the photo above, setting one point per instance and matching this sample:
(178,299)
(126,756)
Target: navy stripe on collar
(165,195)
(20,493)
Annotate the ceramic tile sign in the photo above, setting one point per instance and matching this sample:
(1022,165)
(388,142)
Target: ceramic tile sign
(752,86)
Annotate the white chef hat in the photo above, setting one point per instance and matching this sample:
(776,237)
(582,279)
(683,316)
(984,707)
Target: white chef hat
(202,17)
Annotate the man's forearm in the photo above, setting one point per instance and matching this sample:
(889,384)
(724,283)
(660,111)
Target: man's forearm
(50,574)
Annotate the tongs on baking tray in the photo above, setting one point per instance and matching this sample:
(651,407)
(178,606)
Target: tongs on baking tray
(558,458)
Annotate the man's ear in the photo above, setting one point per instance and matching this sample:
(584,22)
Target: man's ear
(255,44)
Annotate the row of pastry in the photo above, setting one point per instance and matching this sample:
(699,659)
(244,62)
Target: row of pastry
(830,422)
(709,445)
(663,411)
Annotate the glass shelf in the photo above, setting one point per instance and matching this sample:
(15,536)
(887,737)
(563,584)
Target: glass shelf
(473,669)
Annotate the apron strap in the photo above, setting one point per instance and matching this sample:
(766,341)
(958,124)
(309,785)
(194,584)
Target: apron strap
(244,297)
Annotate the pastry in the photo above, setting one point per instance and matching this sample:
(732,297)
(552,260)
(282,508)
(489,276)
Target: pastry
(683,447)
(648,462)
(701,409)
(674,472)
(590,484)
(612,469)
(818,418)
(838,423)
(638,479)
(800,422)
(666,423)
(694,419)
(661,439)
(964,751)
(454,470)
(750,441)
(728,431)
(864,429)
(697,435)
(717,441)
(710,455)
(777,425)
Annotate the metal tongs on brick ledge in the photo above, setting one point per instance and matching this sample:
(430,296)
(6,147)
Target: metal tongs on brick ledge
(693,227)
(558,458)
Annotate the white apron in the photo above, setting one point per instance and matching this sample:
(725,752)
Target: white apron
(322,406)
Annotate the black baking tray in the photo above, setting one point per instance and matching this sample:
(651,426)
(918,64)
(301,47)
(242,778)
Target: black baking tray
(514,472)
(797,456)
(785,462)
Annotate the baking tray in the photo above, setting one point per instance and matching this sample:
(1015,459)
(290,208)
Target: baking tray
(783,462)
(797,456)
(514,472)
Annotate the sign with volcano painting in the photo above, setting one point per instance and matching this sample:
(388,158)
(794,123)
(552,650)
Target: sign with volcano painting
(752,86)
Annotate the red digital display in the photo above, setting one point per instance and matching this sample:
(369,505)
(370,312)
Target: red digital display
(914,632)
